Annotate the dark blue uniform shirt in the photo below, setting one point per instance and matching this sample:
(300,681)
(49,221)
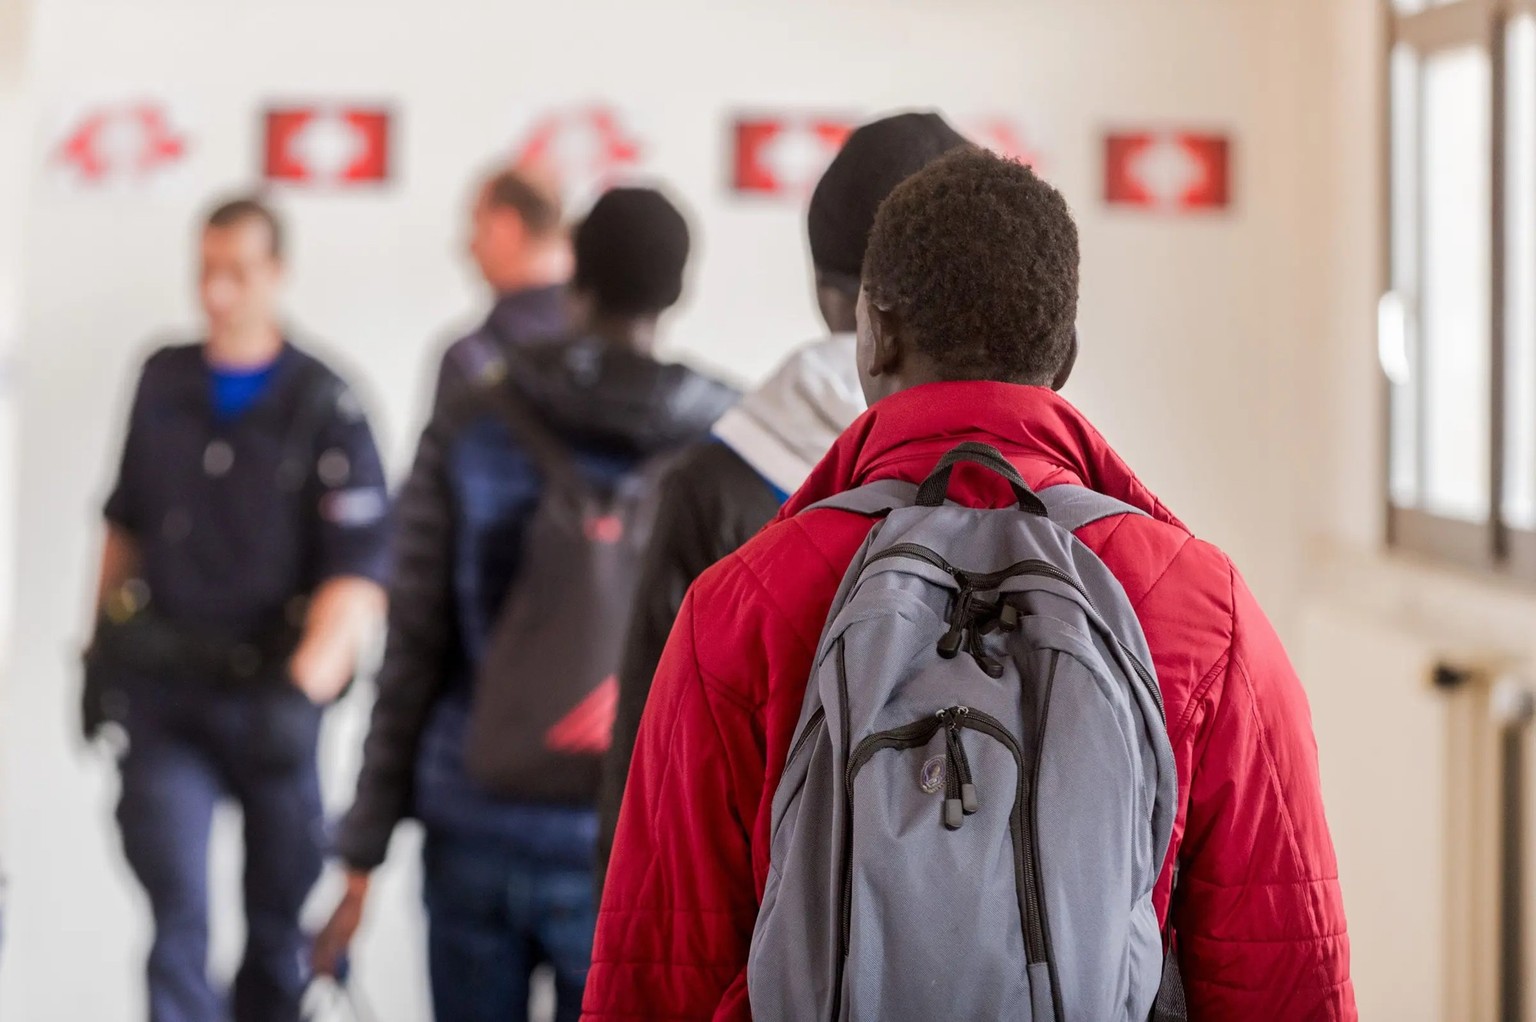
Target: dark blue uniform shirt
(235,516)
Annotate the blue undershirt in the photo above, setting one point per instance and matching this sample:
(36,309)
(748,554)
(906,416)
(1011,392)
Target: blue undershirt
(235,390)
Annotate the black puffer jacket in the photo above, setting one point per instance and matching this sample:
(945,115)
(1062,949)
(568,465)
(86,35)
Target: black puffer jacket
(712,503)
(717,496)
(460,522)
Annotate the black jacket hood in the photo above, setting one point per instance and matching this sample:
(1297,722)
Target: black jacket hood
(596,393)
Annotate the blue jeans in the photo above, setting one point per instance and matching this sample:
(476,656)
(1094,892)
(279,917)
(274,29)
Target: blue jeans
(493,916)
(189,748)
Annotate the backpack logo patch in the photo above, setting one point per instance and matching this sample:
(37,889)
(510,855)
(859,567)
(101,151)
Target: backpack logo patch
(931,777)
(604,529)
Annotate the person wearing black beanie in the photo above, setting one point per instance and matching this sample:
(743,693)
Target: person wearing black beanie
(520,532)
(724,489)
(630,254)
(872,162)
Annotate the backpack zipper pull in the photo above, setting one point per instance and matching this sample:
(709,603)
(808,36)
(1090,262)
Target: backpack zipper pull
(959,621)
(954,813)
(990,665)
(961,798)
(949,645)
(968,800)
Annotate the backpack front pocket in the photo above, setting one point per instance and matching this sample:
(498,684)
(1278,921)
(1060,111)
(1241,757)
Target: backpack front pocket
(939,808)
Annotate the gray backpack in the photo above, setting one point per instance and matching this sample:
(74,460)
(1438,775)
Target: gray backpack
(981,793)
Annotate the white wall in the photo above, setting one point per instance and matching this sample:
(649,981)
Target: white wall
(1199,340)
(14,147)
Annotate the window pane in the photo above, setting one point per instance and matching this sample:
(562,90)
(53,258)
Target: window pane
(1520,281)
(1397,351)
(1454,357)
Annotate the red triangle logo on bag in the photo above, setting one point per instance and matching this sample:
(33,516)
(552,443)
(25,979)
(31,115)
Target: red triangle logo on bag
(587,729)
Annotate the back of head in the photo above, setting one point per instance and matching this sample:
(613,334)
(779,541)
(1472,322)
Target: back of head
(535,201)
(517,237)
(631,251)
(874,160)
(977,257)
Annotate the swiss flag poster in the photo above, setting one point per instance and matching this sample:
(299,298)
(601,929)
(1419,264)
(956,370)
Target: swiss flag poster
(784,155)
(111,144)
(1177,171)
(1006,137)
(584,149)
(327,145)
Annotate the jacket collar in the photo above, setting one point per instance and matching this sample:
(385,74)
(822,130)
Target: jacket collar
(1047,438)
(530,314)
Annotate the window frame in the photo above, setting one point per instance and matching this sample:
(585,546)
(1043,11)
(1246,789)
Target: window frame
(1492,545)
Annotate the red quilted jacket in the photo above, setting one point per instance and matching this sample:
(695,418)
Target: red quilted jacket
(1258,917)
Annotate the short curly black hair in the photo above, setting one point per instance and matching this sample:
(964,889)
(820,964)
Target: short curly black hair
(631,251)
(979,258)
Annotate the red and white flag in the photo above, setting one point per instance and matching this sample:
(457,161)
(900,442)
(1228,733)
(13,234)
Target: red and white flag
(328,145)
(115,144)
(1180,171)
(785,156)
(583,149)
(1006,137)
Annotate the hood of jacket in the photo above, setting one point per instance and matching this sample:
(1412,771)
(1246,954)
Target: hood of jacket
(785,426)
(599,394)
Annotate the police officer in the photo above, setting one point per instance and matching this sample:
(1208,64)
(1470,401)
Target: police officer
(242,572)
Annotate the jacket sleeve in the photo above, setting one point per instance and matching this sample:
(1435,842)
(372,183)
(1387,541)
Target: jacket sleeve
(680,900)
(1258,915)
(353,496)
(421,621)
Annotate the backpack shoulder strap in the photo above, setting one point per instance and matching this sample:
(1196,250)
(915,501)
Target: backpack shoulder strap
(549,453)
(872,499)
(1075,507)
(1071,507)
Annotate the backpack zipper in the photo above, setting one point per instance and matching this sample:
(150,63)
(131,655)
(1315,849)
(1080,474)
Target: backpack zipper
(1026,875)
(1034,824)
(918,733)
(973,582)
(805,734)
(1031,910)
(842,959)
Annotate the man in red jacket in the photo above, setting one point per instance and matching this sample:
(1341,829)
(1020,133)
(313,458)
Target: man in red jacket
(966,326)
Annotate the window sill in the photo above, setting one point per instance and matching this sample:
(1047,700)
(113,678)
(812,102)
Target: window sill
(1460,611)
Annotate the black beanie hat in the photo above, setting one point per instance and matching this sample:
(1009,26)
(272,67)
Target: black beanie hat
(875,159)
(631,251)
